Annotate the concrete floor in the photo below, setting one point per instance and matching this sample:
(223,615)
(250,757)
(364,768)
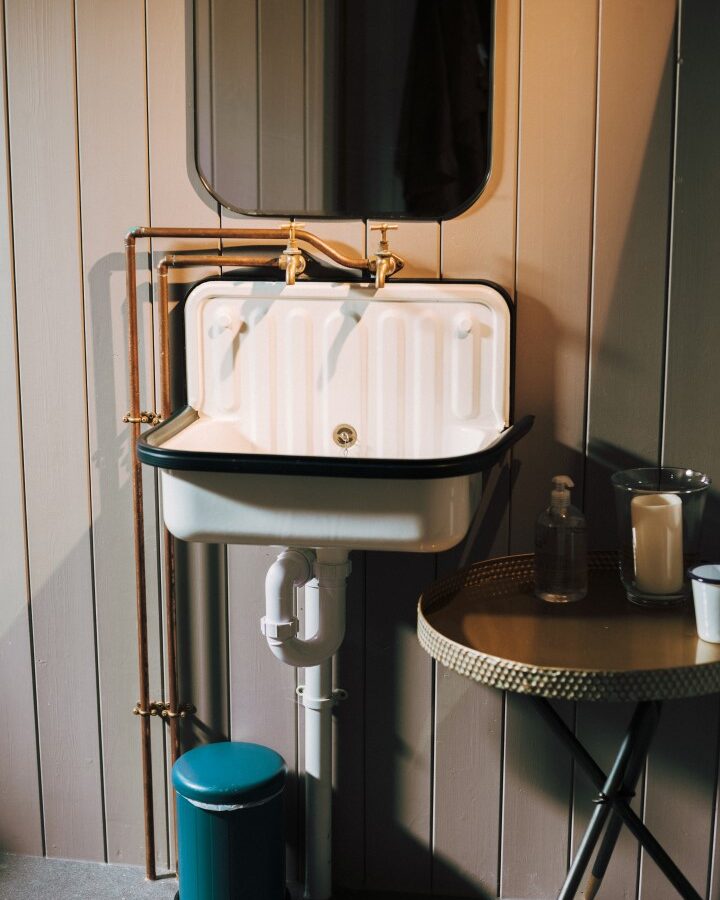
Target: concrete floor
(32,878)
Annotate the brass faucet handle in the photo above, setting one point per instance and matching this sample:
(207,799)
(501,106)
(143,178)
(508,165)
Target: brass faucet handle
(292,227)
(383,228)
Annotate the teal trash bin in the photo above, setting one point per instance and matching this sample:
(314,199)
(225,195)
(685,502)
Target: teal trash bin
(231,832)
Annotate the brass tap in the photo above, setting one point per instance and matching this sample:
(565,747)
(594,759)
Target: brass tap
(384,263)
(292,259)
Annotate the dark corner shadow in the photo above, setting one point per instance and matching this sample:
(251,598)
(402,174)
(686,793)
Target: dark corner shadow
(604,459)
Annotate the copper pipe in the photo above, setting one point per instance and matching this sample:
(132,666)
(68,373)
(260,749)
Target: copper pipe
(216,259)
(140,586)
(164,338)
(281,233)
(171,641)
(135,410)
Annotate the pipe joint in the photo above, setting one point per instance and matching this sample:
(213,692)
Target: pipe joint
(324,604)
(279,631)
(332,571)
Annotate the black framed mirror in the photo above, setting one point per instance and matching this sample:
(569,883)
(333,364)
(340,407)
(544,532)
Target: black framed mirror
(343,108)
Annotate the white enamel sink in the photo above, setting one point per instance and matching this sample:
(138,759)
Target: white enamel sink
(420,373)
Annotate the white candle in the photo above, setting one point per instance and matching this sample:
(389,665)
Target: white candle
(657,542)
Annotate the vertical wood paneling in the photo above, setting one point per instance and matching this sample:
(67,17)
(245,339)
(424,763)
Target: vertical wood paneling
(557,87)
(43,147)
(20,814)
(111,114)
(349,739)
(469,744)
(404,820)
(555,191)
(398,726)
(679,801)
(632,211)
(682,781)
(467,786)
(264,704)
(632,205)
(177,197)
(690,436)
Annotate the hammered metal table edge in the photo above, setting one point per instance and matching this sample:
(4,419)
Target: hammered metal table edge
(557,683)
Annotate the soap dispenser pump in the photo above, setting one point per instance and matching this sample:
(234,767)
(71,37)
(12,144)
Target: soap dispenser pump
(560,547)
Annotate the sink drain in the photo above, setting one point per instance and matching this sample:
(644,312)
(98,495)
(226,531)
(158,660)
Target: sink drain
(344,436)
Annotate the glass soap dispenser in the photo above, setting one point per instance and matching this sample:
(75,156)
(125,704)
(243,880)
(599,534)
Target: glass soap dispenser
(560,547)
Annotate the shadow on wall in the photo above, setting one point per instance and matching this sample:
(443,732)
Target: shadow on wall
(604,460)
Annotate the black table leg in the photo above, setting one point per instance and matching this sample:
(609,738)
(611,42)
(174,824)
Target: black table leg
(617,803)
(612,832)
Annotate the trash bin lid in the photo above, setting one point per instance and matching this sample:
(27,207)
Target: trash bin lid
(230,772)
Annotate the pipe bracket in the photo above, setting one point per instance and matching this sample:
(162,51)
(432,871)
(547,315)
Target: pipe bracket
(162,709)
(319,703)
(146,417)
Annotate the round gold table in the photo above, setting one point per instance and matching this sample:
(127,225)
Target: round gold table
(485,623)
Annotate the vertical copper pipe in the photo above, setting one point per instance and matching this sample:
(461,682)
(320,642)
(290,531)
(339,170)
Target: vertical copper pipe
(168,541)
(140,587)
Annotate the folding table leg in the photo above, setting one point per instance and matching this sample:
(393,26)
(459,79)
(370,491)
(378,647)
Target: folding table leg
(612,832)
(634,744)
(629,816)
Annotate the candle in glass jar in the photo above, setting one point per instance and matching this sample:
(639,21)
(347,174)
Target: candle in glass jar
(657,543)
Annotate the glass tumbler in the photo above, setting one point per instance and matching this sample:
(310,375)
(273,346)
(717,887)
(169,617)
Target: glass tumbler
(659,515)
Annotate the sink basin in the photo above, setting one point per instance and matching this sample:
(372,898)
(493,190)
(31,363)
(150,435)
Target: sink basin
(335,415)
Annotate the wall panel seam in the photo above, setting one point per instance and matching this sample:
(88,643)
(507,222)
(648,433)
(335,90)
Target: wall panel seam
(713,820)
(21,440)
(516,241)
(165,749)
(671,232)
(593,255)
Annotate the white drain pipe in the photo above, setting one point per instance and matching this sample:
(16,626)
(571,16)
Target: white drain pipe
(325,625)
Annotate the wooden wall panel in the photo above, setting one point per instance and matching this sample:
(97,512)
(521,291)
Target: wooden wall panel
(554,233)
(111,114)
(632,216)
(481,241)
(20,813)
(398,726)
(349,739)
(683,771)
(679,794)
(555,193)
(690,435)
(264,704)
(632,208)
(177,197)
(43,149)
(469,718)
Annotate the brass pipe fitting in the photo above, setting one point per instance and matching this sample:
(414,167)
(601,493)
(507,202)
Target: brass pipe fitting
(292,259)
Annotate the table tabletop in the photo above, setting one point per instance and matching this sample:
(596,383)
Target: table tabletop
(486,623)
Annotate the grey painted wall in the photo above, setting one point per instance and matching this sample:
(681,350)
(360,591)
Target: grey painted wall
(601,218)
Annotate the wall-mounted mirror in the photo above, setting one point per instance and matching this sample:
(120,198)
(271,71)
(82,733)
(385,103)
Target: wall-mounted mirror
(343,108)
